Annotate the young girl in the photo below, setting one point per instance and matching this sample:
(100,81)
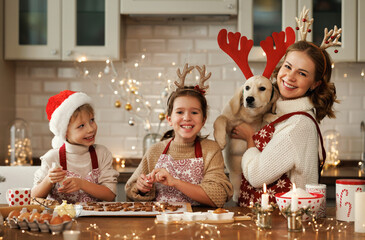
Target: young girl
(184,168)
(292,154)
(76,169)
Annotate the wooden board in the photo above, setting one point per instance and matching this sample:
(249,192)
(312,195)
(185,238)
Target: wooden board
(186,207)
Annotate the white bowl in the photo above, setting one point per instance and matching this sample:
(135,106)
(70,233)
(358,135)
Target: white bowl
(194,216)
(314,203)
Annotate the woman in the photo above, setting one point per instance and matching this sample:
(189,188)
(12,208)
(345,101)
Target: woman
(292,154)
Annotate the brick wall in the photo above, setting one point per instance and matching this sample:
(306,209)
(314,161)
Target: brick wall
(167,46)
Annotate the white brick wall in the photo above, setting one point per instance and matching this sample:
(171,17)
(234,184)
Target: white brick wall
(163,44)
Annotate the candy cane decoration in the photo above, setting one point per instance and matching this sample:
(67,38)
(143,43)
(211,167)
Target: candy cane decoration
(350,207)
(347,193)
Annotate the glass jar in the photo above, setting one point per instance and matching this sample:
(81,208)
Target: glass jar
(331,138)
(19,148)
(149,140)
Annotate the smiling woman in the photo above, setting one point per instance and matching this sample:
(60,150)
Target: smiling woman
(291,156)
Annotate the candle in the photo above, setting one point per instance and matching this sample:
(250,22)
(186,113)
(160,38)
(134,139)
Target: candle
(264,199)
(359,212)
(294,199)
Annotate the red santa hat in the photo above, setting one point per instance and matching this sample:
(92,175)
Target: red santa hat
(60,108)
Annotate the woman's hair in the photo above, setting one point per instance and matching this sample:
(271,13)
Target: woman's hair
(86,107)
(323,96)
(182,92)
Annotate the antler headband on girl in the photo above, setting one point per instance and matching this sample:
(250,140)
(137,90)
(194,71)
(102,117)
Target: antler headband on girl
(239,47)
(203,78)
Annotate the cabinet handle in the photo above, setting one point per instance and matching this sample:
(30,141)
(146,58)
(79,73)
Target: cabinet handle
(68,53)
(53,51)
(230,6)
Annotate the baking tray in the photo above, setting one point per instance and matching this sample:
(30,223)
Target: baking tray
(186,207)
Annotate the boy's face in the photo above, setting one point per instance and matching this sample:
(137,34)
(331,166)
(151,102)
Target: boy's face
(82,129)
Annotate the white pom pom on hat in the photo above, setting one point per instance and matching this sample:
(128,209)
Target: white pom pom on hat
(60,108)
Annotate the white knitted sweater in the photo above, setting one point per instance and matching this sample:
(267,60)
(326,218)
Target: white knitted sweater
(292,150)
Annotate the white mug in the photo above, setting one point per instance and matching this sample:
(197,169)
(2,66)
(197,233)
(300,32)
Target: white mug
(318,188)
(18,196)
(345,197)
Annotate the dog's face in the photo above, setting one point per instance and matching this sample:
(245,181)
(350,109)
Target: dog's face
(257,92)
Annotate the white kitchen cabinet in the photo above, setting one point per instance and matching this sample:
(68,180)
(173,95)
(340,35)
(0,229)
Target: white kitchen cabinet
(62,29)
(327,14)
(151,7)
(361,31)
(258,19)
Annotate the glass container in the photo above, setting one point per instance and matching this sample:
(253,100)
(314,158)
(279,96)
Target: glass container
(19,148)
(149,140)
(331,138)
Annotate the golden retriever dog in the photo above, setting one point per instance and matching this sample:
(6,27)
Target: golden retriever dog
(255,98)
(249,104)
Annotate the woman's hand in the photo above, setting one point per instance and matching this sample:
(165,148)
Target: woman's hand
(144,183)
(161,175)
(56,175)
(71,185)
(244,131)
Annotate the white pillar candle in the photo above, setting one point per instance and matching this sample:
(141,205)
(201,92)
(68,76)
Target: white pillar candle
(294,199)
(359,210)
(264,199)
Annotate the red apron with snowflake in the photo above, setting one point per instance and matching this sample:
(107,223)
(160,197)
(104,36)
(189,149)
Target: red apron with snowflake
(250,194)
(188,170)
(78,196)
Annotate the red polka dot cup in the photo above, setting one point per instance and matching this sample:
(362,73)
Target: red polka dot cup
(18,196)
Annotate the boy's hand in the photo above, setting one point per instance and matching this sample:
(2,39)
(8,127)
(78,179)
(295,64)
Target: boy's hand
(144,183)
(71,185)
(56,175)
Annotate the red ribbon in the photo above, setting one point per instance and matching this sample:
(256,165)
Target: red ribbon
(199,89)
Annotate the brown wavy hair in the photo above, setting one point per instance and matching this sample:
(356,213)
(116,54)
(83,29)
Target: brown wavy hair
(182,92)
(324,96)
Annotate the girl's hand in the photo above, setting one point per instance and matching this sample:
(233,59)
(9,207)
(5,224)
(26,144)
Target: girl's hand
(56,175)
(161,175)
(243,131)
(71,185)
(144,183)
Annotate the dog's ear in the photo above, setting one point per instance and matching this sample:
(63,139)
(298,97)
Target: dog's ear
(236,101)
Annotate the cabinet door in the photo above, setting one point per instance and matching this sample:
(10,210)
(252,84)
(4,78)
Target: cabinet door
(327,13)
(361,31)
(32,29)
(259,19)
(90,29)
(179,7)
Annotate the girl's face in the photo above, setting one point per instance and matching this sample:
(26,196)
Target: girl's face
(186,118)
(82,129)
(296,75)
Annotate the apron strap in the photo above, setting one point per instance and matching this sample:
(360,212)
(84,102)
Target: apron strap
(62,153)
(63,161)
(286,116)
(197,145)
(94,157)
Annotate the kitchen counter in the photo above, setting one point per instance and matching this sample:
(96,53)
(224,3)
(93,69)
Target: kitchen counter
(146,228)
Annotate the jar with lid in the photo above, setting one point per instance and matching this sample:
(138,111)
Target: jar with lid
(19,150)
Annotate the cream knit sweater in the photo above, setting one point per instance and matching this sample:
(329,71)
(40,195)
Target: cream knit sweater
(215,183)
(292,150)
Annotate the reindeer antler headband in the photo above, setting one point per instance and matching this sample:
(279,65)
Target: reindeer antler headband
(331,38)
(239,47)
(203,78)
